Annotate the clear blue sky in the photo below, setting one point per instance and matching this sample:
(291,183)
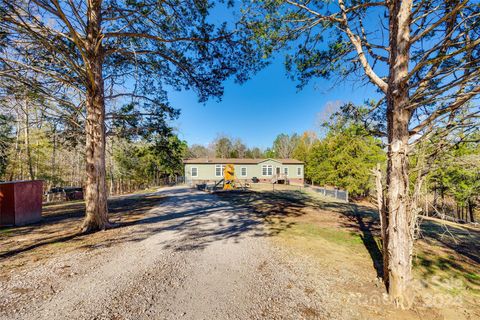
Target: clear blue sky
(262,108)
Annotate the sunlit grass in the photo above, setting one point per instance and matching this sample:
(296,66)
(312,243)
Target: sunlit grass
(312,231)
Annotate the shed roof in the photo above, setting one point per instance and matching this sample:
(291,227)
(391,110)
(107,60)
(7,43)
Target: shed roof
(238,161)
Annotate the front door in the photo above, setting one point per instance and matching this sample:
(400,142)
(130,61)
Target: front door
(278,171)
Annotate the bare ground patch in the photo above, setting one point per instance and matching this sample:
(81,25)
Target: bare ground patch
(59,230)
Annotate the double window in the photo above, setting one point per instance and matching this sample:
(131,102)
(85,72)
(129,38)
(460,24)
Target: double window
(219,168)
(194,172)
(267,170)
(243,171)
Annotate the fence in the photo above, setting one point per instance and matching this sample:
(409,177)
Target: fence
(334,193)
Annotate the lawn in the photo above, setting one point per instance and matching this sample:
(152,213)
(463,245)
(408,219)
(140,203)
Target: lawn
(343,239)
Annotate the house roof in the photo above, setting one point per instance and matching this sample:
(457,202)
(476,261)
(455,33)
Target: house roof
(238,161)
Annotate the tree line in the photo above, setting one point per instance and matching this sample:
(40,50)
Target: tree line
(349,152)
(35,147)
(343,158)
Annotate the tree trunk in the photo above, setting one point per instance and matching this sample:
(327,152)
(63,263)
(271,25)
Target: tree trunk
(54,155)
(400,216)
(383,221)
(471,209)
(27,142)
(112,180)
(17,151)
(95,190)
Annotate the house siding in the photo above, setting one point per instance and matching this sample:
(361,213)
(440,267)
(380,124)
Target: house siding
(206,172)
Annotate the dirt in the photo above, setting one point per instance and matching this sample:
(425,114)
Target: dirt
(194,256)
(60,227)
(180,253)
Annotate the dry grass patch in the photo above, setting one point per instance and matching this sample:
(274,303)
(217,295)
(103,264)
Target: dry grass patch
(344,240)
(59,230)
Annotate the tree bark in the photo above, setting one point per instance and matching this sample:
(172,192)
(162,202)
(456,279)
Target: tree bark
(471,209)
(112,179)
(17,149)
(27,142)
(400,216)
(383,221)
(54,155)
(96,217)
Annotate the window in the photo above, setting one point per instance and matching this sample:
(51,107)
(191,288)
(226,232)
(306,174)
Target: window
(243,171)
(194,172)
(267,170)
(299,171)
(285,171)
(219,168)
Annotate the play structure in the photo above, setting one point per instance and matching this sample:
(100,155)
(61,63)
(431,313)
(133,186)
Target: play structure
(229,181)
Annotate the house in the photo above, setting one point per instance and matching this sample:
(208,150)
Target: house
(206,170)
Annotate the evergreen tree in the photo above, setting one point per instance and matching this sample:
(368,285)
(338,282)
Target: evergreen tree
(91,54)
(457,174)
(345,159)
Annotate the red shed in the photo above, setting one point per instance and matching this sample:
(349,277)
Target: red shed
(20,202)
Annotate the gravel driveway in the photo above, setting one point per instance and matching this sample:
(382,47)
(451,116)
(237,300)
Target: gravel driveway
(195,256)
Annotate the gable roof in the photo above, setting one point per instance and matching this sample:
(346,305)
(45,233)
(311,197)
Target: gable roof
(238,161)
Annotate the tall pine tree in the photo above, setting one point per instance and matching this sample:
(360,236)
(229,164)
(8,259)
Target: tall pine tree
(94,54)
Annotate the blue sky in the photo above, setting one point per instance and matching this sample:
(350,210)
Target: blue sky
(262,108)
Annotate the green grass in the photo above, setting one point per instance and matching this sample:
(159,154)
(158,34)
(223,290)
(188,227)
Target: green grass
(335,236)
(6,231)
(473,276)
(446,268)
(147,190)
(441,270)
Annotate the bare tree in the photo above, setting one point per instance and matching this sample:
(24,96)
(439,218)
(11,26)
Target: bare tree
(284,145)
(223,146)
(198,151)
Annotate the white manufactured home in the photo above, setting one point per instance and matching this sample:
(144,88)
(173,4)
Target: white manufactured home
(205,170)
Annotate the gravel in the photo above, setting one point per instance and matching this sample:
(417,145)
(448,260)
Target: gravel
(195,256)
